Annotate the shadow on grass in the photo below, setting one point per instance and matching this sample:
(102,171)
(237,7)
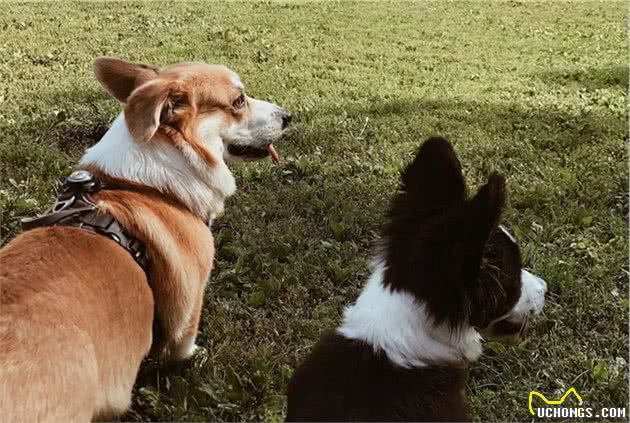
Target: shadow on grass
(575,154)
(590,78)
(74,139)
(546,128)
(76,124)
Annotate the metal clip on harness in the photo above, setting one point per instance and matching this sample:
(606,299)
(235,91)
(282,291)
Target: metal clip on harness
(75,207)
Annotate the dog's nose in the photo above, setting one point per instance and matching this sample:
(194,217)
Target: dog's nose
(286,118)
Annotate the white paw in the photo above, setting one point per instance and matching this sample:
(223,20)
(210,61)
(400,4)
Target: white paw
(193,348)
(185,349)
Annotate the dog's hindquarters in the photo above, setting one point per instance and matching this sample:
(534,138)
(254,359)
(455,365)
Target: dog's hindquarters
(48,373)
(75,322)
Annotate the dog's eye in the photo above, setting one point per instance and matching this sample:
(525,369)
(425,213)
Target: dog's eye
(239,102)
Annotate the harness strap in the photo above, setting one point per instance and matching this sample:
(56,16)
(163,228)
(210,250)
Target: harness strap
(74,207)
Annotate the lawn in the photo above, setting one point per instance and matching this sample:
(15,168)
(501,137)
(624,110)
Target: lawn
(534,90)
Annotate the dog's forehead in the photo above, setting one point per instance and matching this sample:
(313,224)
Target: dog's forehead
(210,74)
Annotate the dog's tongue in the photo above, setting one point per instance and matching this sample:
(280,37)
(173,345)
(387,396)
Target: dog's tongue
(273,153)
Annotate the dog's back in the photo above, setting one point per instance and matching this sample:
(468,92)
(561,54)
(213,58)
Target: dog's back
(67,353)
(346,380)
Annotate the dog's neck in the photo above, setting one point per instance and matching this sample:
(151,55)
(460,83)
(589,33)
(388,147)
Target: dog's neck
(396,323)
(160,165)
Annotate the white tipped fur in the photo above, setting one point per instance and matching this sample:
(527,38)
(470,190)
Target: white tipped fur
(397,324)
(161,165)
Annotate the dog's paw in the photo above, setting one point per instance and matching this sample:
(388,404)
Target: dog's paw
(184,350)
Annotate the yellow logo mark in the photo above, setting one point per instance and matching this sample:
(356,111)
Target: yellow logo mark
(552,402)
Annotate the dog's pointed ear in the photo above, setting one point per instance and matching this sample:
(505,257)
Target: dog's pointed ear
(435,175)
(485,207)
(120,78)
(150,105)
(482,216)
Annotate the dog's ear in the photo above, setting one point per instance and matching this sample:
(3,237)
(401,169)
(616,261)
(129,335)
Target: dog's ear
(456,254)
(120,78)
(152,104)
(484,209)
(493,260)
(482,215)
(435,175)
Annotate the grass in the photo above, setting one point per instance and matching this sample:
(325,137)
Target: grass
(535,90)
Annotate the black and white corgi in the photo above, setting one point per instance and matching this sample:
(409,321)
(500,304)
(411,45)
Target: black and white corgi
(445,273)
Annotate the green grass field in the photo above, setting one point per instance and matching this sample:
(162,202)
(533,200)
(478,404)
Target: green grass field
(534,90)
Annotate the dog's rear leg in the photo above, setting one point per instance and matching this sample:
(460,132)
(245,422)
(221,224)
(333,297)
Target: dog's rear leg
(185,348)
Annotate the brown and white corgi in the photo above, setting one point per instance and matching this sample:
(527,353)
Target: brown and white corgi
(76,309)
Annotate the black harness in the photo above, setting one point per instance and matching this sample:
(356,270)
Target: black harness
(75,207)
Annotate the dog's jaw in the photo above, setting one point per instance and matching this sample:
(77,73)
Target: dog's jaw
(161,165)
(396,323)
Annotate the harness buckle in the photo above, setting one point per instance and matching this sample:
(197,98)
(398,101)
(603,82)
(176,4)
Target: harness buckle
(73,200)
(81,181)
(75,207)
